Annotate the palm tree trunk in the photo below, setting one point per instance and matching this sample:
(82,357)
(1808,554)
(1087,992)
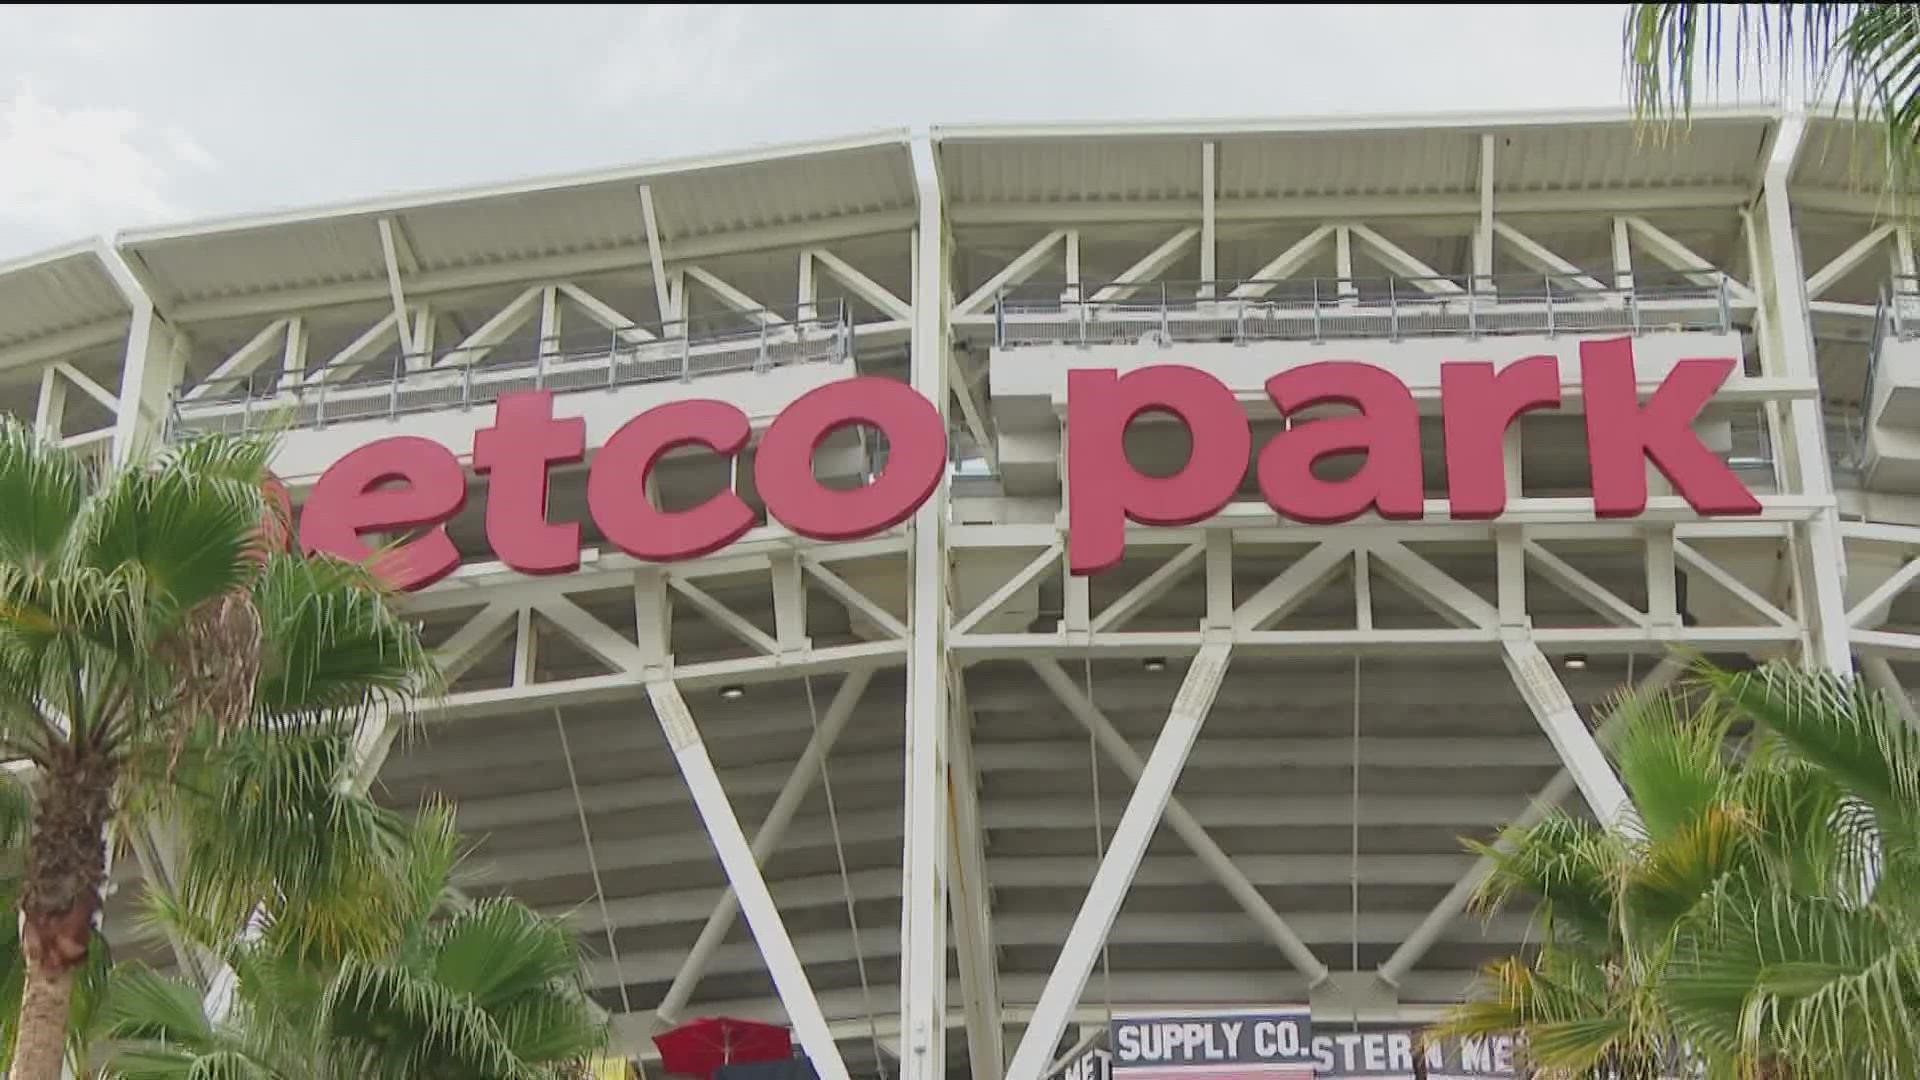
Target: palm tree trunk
(43,1023)
(66,867)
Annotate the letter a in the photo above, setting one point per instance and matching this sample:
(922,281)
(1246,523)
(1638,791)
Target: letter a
(1622,434)
(1387,429)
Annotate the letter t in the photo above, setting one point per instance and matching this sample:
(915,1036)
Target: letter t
(516,451)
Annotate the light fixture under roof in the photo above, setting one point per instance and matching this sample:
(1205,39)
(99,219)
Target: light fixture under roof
(1154,663)
(733,692)
(1575,661)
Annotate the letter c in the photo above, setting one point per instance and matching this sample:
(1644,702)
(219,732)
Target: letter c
(617,491)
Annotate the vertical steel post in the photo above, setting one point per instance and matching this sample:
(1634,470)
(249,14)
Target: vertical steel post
(923,904)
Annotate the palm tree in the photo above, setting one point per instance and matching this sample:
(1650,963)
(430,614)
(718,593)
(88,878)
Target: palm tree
(151,637)
(1758,917)
(1864,54)
(454,991)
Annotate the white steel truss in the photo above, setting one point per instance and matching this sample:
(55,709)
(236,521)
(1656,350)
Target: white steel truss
(1844,593)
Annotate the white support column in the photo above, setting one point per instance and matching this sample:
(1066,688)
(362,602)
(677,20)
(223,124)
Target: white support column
(394,291)
(550,328)
(789,605)
(1818,555)
(1343,264)
(653,619)
(1207,252)
(969,894)
(766,839)
(1219,580)
(1904,264)
(743,872)
(293,361)
(423,336)
(1184,824)
(151,370)
(1450,906)
(50,413)
(1073,265)
(1662,596)
(809,290)
(1483,236)
(1109,889)
(1622,255)
(923,906)
(1510,565)
(1551,706)
(656,258)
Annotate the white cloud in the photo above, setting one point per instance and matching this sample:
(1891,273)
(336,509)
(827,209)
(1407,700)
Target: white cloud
(84,169)
(677,55)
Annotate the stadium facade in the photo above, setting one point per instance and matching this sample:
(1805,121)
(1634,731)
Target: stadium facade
(1208,526)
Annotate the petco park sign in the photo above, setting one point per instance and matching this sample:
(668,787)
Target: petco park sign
(411,483)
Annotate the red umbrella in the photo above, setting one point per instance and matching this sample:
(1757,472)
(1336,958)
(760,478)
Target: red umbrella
(700,1047)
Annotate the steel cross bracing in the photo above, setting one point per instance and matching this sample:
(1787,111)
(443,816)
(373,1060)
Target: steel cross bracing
(973,593)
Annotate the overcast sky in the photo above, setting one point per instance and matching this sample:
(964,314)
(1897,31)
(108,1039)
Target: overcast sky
(115,118)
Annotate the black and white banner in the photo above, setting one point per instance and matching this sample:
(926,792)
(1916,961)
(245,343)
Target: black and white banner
(1281,1044)
(1265,1045)
(1397,1053)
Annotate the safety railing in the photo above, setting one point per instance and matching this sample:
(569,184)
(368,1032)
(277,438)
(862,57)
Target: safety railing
(1323,309)
(1901,301)
(1896,318)
(395,384)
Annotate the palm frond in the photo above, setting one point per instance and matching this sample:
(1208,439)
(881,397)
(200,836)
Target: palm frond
(1865,57)
(498,950)
(43,489)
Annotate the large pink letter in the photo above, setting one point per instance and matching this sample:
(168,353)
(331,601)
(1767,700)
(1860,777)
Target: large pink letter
(1105,491)
(1387,428)
(617,482)
(916,458)
(1622,434)
(523,442)
(350,500)
(1477,407)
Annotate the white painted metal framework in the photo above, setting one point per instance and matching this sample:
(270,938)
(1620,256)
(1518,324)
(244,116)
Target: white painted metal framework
(927,797)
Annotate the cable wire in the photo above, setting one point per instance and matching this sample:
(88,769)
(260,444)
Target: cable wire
(846,885)
(593,861)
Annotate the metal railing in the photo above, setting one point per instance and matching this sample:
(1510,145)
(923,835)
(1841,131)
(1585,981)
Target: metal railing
(394,384)
(1896,318)
(1323,309)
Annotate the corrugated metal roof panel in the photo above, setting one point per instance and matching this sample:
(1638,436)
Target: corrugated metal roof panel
(55,291)
(1363,163)
(1840,155)
(326,251)
(1052,169)
(1585,157)
(558,216)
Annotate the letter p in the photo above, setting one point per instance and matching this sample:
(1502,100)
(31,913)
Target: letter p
(1105,491)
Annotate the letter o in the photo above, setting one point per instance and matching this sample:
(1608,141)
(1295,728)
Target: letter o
(916,459)
(617,483)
